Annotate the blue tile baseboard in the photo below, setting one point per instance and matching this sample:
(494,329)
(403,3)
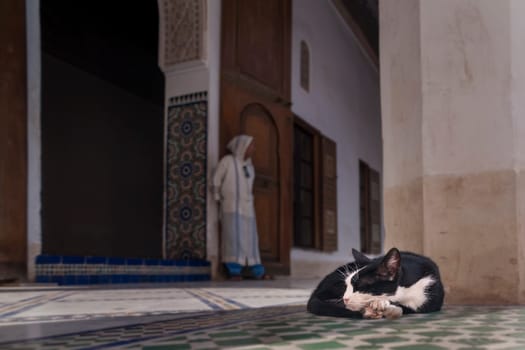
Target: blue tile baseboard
(75,270)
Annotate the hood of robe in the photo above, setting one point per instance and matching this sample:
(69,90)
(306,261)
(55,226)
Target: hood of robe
(238,145)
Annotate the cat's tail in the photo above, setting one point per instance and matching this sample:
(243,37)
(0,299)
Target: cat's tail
(320,307)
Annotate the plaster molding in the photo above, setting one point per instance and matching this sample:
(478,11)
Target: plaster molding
(181,37)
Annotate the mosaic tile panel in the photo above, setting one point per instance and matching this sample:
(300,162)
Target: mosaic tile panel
(290,327)
(74,270)
(186,177)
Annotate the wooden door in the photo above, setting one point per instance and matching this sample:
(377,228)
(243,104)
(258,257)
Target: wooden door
(13,141)
(255,90)
(259,122)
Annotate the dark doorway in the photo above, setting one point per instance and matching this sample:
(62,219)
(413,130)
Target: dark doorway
(102,128)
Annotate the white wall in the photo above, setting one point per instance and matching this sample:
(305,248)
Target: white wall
(344,104)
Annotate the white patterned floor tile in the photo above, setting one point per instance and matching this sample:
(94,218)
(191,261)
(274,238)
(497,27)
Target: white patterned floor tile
(60,305)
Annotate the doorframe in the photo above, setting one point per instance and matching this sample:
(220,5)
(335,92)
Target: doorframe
(227,130)
(34,139)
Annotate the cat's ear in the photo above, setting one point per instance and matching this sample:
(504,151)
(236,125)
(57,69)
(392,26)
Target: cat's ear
(359,257)
(389,266)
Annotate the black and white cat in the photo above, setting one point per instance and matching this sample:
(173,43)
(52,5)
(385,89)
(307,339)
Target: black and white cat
(395,284)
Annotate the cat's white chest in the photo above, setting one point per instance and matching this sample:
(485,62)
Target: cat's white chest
(414,296)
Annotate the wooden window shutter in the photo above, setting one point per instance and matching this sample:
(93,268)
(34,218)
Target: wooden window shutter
(364,206)
(375,212)
(370,209)
(328,195)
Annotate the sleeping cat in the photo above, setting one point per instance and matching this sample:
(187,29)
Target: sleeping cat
(389,286)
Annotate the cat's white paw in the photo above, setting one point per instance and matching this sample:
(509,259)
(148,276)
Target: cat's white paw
(379,304)
(371,313)
(375,309)
(392,312)
(380,308)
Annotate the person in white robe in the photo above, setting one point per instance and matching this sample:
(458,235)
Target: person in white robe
(232,186)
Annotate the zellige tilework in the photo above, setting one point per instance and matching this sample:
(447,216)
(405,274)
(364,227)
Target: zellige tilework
(290,327)
(186,177)
(82,270)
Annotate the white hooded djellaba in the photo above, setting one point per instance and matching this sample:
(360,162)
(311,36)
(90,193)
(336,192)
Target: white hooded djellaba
(232,186)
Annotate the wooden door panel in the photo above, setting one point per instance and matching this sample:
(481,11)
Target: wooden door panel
(267,213)
(13,140)
(260,40)
(256,43)
(258,122)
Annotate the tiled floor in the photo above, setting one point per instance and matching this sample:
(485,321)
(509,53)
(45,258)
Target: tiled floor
(42,312)
(270,315)
(68,305)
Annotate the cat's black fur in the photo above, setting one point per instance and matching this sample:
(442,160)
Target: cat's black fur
(380,276)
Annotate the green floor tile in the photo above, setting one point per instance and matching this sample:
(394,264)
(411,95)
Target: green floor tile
(323,345)
(300,336)
(227,334)
(419,347)
(477,341)
(385,340)
(238,342)
(286,330)
(357,332)
(200,340)
(337,326)
(321,320)
(440,334)
(485,329)
(450,324)
(272,324)
(343,338)
(520,335)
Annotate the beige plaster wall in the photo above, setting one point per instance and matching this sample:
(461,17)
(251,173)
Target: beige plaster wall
(467,112)
(517,81)
(403,216)
(468,150)
(465,59)
(470,231)
(401,99)
(521,235)
(401,103)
